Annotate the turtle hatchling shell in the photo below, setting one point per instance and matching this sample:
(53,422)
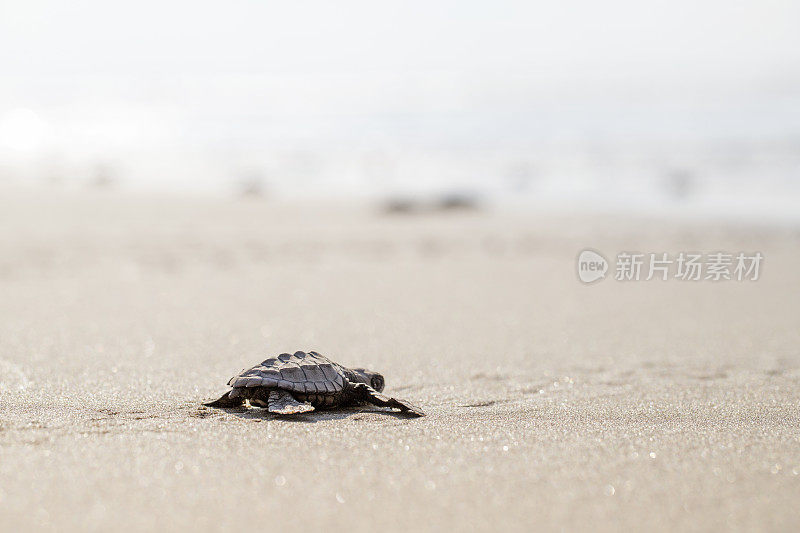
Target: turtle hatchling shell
(300,372)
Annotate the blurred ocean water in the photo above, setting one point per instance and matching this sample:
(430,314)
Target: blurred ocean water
(383,157)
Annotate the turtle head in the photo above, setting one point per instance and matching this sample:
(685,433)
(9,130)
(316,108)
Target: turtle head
(373,379)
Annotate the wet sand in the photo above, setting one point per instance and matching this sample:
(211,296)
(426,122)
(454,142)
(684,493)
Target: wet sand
(551,405)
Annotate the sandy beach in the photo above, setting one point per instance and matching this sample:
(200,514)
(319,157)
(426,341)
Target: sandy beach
(552,405)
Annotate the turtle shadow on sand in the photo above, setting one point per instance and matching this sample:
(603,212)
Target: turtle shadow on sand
(312,417)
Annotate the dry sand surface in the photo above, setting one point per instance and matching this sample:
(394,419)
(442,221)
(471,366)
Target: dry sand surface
(551,405)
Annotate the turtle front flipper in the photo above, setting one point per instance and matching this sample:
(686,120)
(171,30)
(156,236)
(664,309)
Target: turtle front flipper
(283,403)
(225,401)
(370,395)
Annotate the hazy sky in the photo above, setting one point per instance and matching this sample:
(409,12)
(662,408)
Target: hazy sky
(148,72)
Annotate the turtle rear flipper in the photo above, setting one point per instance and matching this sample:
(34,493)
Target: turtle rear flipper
(225,401)
(283,403)
(370,395)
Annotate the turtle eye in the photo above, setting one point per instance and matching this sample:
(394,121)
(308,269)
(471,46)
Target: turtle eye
(377,383)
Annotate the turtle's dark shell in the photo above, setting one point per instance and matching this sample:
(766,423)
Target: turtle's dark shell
(299,372)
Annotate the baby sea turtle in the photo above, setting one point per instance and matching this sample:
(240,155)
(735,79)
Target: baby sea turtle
(301,382)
